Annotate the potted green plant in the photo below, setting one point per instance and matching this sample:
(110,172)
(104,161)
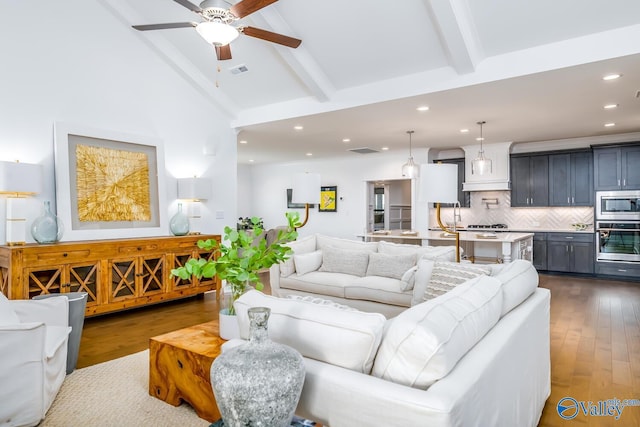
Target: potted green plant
(240,256)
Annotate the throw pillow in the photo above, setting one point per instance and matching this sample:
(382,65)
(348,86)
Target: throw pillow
(8,315)
(345,338)
(393,266)
(421,280)
(335,260)
(448,275)
(425,342)
(300,246)
(306,263)
(408,279)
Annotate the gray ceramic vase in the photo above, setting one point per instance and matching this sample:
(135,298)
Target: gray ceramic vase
(258,383)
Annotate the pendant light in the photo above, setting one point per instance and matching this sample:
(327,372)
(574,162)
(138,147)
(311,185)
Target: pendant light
(410,169)
(481,165)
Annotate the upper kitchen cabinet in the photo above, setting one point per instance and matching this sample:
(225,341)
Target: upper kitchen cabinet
(529,180)
(617,168)
(571,179)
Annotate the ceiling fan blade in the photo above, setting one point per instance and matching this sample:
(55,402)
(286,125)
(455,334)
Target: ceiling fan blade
(192,7)
(272,37)
(223,52)
(247,7)
(164,26)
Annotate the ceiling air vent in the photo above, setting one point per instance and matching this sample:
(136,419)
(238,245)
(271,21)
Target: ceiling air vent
(239,69)
(363,150)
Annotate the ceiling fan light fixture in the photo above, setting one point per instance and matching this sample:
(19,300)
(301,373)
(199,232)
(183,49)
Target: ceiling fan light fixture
(410,169)
(481,165)
(217,33)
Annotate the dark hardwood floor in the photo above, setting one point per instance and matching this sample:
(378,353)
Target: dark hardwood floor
(595,341)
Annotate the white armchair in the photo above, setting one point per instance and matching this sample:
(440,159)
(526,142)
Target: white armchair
(33,357)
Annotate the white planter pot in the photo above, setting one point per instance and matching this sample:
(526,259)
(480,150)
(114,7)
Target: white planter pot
(229,328)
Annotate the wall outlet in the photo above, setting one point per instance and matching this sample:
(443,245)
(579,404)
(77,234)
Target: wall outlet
(219,214)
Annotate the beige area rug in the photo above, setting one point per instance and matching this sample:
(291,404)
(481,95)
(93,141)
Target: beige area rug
(115,393)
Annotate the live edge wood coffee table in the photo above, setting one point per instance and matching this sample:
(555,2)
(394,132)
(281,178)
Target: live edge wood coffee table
(179,364)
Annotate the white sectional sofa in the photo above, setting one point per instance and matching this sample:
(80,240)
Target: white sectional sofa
(369,276)
(477,355)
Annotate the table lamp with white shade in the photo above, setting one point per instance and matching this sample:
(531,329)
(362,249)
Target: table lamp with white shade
(438,183)
(194,191)
(18,181)
(306,190)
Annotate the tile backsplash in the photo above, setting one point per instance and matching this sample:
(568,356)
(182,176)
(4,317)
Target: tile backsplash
(547,218)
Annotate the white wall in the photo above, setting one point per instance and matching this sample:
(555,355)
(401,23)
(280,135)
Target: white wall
(349,174)
(90,69)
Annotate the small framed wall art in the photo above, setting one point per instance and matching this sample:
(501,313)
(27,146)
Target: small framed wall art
(328,199)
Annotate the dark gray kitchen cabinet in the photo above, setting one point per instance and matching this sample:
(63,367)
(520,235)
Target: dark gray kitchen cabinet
(571,179)
(570,252)
(464,197)
(540,251)
(616,168)
(530,180)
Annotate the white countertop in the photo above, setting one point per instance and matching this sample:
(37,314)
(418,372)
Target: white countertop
(477,236)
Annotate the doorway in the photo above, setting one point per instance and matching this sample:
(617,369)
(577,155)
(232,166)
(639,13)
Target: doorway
(389,205)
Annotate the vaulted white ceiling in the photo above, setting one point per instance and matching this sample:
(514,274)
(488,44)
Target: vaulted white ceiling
(533,70)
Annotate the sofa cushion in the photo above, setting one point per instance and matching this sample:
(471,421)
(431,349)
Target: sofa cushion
(307,262)
(345,338)
(336,260)
(300,246)
(379,289)
(423,344)
(318,282)
(447,275)
(8,315)
(386,265)
(442,253)
(421,280)
(519,280)
(408,279)
(354,245)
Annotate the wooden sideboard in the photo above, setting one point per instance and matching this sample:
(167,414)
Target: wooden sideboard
(116,274)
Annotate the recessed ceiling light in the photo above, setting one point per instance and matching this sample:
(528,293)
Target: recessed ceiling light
(242,141)
(479,139)
(612,76)
(384,148)
(251,160)
(608,125)
(610,106)
(423,108)
(464,130)
(309,154)
(346,140)
(298,127)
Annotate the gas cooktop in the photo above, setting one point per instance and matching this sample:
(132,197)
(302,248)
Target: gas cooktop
(496,227)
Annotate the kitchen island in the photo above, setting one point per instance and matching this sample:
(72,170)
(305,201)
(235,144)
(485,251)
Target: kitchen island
(486,246)
(477,246)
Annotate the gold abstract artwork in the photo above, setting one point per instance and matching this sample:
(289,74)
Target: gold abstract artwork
(112,185)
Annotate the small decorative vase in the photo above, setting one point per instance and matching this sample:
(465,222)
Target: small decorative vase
(179,223)
(258,383)
(47,228)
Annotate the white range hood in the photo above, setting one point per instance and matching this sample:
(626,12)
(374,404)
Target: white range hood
(498,178)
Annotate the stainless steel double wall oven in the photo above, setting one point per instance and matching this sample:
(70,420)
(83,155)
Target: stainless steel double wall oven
(618,226)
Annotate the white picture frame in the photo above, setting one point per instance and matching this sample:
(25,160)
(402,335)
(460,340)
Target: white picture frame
(67,138)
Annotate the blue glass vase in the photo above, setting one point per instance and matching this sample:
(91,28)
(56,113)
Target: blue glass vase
(179,223)
(47,228)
